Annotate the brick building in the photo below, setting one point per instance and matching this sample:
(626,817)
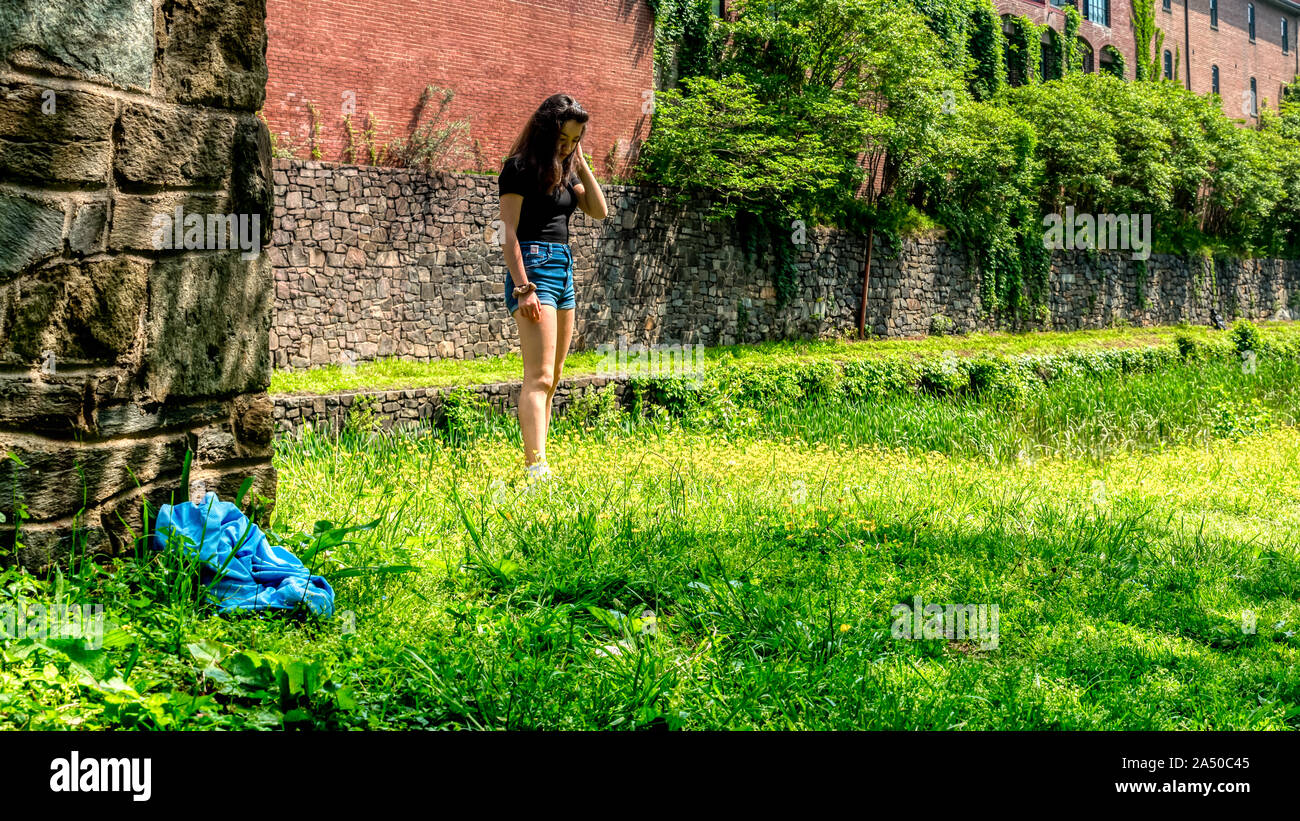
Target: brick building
(1245,50)
(501,58)
(1105,27)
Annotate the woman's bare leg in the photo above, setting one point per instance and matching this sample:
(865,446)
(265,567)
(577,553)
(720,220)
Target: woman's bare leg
(563,335)
(537,346)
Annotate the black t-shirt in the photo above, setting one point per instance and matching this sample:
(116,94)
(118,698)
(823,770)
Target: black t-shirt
(541,218)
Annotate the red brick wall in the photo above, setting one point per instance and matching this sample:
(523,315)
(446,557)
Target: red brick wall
(1238,59)
(501,58)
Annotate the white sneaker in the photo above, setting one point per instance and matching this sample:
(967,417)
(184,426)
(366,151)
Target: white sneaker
(539,472)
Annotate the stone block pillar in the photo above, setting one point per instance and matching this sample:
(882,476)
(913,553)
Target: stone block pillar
(135,298)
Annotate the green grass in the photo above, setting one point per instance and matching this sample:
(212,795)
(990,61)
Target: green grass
(1123,524)
(394,373)
(1121,602)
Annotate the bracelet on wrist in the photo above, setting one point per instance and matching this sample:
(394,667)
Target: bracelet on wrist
(526,288)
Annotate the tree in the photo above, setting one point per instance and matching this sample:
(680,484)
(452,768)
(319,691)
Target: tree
(826,110)
(1282,131)
(981,187)
(804,109)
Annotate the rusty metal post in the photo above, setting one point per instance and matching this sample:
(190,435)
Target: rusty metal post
(866,281)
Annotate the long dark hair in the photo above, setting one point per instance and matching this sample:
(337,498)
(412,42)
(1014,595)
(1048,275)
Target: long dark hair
(535,145)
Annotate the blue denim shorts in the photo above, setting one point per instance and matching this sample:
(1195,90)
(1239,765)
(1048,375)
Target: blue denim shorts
(550,265)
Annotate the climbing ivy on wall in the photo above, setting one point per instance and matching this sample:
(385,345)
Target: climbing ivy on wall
(1072,56)
(987,48)
(1053,54)
(770,230)
(1117,65)
(950,20)
(1145,35)
(1023,50)
(1014,272)
(686,39)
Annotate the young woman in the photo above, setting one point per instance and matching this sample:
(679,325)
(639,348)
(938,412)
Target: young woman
(544,179)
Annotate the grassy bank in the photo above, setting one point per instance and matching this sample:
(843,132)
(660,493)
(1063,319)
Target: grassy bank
(1138,533)
(393,373)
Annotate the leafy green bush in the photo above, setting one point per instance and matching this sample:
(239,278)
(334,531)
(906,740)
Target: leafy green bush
(675,394)
(723,396)
(1002,380)
(361,416)
(432,144)
(980,186)
(1245,336)
(870,378)
(1189,350)
(944,376)
(940,325)
(596,410)
(820,379)
(721,411)
(464,413)
(1111,147)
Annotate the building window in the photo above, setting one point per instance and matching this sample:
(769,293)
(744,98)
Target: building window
(717,8)
(1009,32)
(1254,99)
(1167,5)
(1214,79)
(1098,11)
(1169,65)
(1085,49)
(1109,62)
(1250,20)
(1214,14)
(1286,37)
(1053,47)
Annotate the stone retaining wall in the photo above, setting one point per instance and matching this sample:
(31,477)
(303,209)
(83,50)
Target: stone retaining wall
(412,406)
(376,262)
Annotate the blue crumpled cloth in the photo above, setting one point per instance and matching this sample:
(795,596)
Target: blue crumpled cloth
(261,576)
